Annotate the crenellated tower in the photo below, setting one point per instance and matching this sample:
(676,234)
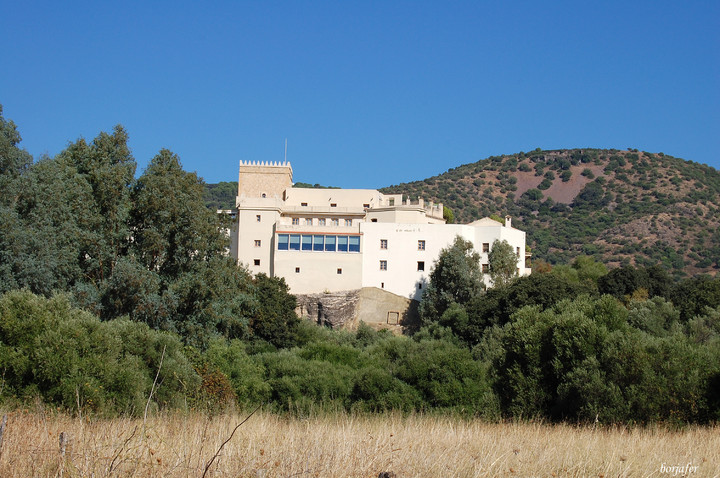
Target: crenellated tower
(264,179)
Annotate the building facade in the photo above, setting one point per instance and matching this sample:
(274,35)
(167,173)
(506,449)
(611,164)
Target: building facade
(331,240)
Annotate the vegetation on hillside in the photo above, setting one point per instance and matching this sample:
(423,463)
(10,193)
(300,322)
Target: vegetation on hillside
(620,207)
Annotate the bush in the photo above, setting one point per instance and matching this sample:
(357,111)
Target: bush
(69,358)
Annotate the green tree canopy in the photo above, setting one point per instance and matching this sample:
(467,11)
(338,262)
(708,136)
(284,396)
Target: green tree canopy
(455,279)
(503,262)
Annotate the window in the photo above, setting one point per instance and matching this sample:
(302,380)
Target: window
(373,219)
(295,242)
(308,221)
(366,206)
(264,195)
(303,204)
(348,222)
(339,271)
(517,251)
(393,318)
(421,265)
(258,242)
(383,243)
(419,285)
(335,222)
(486,247)
(330,243)
(421,245)
(257,218)
(321,222)
(383,265)
(485,268)
(318,242)
(297,270)
(354,243)
(306,242)
(256,262)
(283,242)
(342,243)
(333,204)
(392,201)
(296,221)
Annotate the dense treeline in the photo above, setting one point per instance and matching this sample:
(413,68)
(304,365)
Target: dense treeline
(116,294)
(147,248)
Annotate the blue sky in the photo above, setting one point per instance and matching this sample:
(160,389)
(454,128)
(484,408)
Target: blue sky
(368,94)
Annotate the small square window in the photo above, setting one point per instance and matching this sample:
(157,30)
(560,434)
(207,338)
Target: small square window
(366,206)
(257,218)
(296,221)
(348,222)
(297,270)
(308,221)
(383,265)
(486,247)
(373,219)
(339,271)
(258,243)
(383,243)
(321,222)
(421,245)
(303,204)
(256,262)
(421,265)
(485,268)
(333,204)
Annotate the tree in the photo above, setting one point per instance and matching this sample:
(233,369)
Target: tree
(108,167)
(503,262)
(171,225)
(448,215)
(455,279)
(13,160)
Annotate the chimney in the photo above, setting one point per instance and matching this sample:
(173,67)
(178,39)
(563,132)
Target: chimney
(508,221)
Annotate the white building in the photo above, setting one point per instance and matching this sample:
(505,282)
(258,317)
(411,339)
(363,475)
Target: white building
(330,240)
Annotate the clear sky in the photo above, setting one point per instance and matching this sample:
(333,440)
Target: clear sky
(368,94)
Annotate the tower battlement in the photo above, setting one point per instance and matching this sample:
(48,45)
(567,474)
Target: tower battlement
(264,178)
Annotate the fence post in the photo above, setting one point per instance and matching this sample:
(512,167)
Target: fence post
(2,431)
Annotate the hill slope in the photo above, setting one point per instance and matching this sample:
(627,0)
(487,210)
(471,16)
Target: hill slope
(623,207)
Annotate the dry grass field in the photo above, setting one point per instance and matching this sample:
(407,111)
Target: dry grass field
(267,445)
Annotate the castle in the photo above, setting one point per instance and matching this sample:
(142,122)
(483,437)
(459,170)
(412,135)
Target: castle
(336,240)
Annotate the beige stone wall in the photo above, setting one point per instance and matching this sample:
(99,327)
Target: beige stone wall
(270,179)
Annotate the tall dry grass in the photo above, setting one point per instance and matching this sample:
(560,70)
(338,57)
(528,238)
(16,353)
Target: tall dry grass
(176,444)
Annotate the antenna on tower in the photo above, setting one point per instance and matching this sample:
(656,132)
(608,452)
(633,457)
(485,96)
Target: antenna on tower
(286,150)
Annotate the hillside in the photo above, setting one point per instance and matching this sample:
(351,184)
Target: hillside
(622,207)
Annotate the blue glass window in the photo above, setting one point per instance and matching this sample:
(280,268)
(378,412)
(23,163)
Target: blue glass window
(330,243)
(295,242)
(318,243)
(342,243)
(306,243)
(283,242)
(354,243)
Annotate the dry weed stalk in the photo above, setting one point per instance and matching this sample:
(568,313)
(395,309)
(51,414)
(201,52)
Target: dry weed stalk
(176,444)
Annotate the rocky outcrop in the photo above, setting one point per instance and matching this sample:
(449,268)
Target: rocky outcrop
(335,309)
(376,307)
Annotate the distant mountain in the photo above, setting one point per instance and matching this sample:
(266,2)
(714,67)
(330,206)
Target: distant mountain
(621,207)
